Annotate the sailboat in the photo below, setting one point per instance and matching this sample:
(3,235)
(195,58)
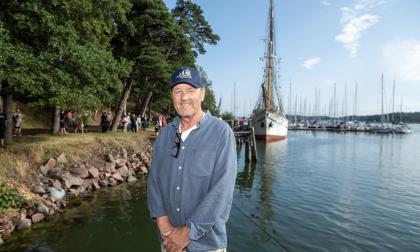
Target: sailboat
(268,118)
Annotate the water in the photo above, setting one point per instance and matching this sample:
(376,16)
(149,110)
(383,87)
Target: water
(320,191)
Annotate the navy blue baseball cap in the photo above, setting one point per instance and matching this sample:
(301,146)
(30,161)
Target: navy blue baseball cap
(187,75)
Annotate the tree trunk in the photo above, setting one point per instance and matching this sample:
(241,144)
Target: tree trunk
(55,120)
(146,104)
(140,105)
(121,105)
(7,106)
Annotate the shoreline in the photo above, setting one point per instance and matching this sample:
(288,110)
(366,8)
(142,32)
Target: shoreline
(49,185)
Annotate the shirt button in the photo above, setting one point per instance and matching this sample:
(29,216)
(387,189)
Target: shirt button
(177,187)
(177,209)
(183,147)
(179,168)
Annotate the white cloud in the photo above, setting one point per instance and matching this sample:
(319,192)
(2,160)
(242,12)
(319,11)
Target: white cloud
(325,3)
(309,63)
(402,60)
(355,20)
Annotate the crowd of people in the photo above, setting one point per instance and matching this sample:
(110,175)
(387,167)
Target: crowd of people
(73,121)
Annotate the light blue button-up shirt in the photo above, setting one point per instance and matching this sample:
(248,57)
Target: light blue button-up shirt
(196,188)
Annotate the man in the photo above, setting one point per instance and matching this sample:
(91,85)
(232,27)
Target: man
(3,123)
(191,182)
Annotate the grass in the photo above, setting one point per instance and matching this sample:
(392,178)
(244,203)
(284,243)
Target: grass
(21,160)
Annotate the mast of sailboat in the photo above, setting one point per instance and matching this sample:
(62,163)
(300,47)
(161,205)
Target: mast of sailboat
(401,110)
(393,102)
(382,100)
(268,94)
(355,102)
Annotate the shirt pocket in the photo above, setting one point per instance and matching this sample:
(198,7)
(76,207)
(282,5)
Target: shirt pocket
(201,163)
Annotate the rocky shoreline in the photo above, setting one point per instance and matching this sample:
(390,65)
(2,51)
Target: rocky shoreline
(59,180)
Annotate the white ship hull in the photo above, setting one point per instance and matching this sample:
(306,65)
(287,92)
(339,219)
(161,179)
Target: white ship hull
(269,126)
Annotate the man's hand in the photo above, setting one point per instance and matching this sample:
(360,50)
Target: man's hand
(165,226)
(177,240)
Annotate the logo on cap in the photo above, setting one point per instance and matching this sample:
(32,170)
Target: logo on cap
(185,74)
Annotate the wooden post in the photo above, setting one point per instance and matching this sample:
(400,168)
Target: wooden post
(253,145)
(247,149)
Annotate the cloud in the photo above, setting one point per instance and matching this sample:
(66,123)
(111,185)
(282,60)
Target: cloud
(402,59)
(325,3)
(355,20)
(309,63)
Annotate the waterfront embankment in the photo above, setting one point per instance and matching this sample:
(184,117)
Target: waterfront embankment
(41,174)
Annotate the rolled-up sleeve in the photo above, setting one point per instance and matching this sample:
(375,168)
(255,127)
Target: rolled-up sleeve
(215,206)
(154,196)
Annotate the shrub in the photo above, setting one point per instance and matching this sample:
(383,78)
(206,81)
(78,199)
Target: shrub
(10,198)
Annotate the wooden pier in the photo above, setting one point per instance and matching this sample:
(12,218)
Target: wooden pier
(247,137)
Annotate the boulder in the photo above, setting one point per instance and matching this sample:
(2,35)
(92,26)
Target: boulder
(103,182)
(39,189)
(124,152)
(143,169)
(96,185)
(57,184)
(123,171)
(44,170)
(110,167)
(56,194)
(51,163)
(62,158)
(120,162)
(81,172)
(42,208)
(110,157)
(37,217)
(117,177)
(131,179)
(26,223)
(75,192)
(93,172)
(70,180)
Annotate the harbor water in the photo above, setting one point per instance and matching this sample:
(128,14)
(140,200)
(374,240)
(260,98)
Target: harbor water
(316,191)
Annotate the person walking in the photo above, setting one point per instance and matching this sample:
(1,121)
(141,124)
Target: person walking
(17,121)
(3,124)
(193,172)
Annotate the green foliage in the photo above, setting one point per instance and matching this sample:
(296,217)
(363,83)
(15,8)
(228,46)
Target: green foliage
(209,102)
(190,17)
(10,198)
(228,116)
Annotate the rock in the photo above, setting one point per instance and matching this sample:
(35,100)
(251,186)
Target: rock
(37,217)
(57,184)
(103,182)
(96,185)
(62,159)
(51,164)
(1,241)
(70,180)
(93,172)
(108,174)
(143,169)
(81,172)
(75,192)
(123,171)
(117,177)
(44,170)
(125,155)
(131,179)
(120,162)
(110,167)
(38,189)
(26,223)
(42,208)
(110,158)
(56,194)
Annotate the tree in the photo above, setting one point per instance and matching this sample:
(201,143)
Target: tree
(209,102)
(190,18)
(70,63)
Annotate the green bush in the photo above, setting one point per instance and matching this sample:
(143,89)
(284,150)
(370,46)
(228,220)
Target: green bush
(10,198)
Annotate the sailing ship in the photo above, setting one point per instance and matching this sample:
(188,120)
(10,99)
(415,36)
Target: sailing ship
(268,118)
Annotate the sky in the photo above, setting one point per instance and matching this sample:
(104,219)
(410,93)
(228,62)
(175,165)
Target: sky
(321,43)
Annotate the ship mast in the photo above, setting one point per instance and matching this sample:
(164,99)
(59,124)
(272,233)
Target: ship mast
(268,85)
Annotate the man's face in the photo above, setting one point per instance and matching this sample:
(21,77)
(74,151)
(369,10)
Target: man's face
(187,99)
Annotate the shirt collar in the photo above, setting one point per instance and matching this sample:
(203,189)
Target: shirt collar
(203,121)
